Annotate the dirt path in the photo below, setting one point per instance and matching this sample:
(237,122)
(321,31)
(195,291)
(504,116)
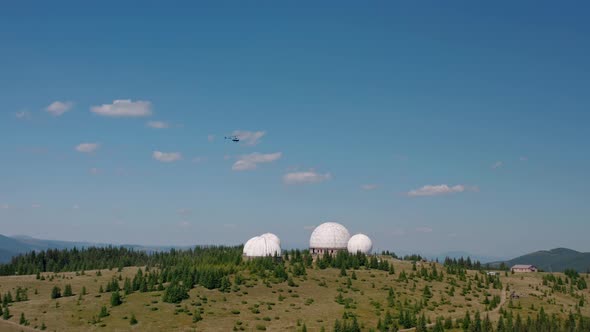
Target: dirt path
(496,310)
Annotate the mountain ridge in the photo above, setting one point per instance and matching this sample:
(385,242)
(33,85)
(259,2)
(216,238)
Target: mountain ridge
(553,260)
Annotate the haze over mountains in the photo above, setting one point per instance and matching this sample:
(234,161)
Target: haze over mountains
(555,260)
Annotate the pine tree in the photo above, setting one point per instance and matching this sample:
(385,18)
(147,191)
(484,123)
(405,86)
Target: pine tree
(55,292)
(22,320)
(438,326)
(501,326)
(343,271)
(466,322)
(421,326)
(487,325)
(133,320)
(476,327)
(127,286)
(103,312)
(68,290)
(6,314)
(115,299)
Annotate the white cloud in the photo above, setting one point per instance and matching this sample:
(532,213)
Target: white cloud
(441,189)
(369,186)
(210,138)
(497,164)
(167,157)
(249,138)
(124,108)
(94,171)
(87,147)
(158,124)
(185,224)
(424,230)
(305,177)
(250,161)
(23,115)
(58,108)
(309,227)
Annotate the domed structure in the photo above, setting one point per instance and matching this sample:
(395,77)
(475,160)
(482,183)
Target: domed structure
(328,237)
(272,237)
(360,243)
(260,246)
(248,244)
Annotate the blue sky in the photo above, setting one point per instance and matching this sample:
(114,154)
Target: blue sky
(428,127)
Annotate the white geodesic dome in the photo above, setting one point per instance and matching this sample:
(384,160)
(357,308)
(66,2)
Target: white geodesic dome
(360,243)
(260,246)
(329,235)
(272,237)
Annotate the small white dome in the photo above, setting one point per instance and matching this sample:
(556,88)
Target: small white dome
(260,246)
(329,235)
(360,242)
(272,237)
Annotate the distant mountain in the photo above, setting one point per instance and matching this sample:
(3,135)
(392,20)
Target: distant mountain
(19,244)
(554,260)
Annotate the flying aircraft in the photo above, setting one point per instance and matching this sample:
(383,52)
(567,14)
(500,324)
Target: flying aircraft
(233,138)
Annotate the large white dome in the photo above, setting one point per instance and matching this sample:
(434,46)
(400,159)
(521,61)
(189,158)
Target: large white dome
(329,235)
(360,242)
(248,244)
(272,237)
(260,246)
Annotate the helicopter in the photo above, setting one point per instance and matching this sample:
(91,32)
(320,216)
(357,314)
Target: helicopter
(233,138)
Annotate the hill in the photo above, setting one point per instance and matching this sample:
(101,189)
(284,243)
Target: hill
(211,289)
(556,260)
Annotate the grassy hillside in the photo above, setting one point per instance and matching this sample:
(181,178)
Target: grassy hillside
(316,299)
(557,260)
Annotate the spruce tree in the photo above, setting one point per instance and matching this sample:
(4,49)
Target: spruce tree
(55,292)
(103,312)
(68,290)
(115,299)
(6,314)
